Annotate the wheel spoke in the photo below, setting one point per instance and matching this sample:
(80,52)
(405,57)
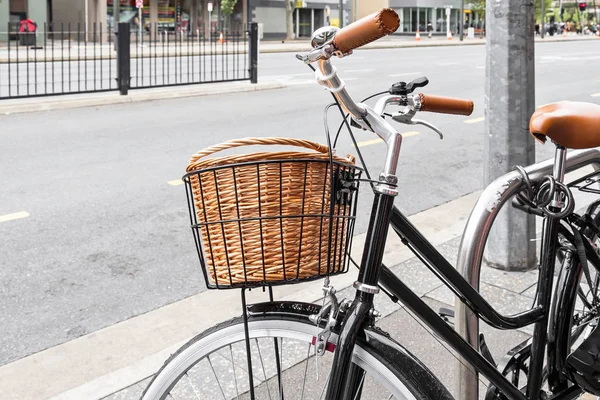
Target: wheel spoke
(583,299)
(325,387)
(263,369)
(360,385)
(305,371)
(192,385)
(234,377)
(218,382)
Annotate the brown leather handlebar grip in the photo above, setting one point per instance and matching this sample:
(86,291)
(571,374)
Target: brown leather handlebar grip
(445,105)
(366,30)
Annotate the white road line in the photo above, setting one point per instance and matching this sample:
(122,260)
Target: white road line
(595,95)
(175,182)
(404,74)
(445,64)
(480,67)
(13,216)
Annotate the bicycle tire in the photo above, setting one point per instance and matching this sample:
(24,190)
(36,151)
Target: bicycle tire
(403,375)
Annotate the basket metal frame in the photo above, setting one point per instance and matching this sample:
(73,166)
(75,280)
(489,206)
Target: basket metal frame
(347,219)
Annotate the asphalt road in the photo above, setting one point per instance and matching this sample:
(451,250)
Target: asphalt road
(104,236)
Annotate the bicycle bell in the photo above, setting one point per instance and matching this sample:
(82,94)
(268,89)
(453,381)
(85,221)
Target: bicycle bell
(323,36)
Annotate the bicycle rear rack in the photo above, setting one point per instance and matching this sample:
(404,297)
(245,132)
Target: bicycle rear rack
(470,253)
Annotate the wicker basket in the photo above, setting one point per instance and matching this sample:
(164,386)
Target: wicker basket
(271,217)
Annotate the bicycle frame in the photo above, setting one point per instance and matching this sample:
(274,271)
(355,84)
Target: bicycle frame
(345,382)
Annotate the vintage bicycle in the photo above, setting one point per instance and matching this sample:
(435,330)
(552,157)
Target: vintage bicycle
(275,218)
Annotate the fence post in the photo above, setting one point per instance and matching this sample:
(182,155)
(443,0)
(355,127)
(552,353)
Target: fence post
(123,58)
(253,52)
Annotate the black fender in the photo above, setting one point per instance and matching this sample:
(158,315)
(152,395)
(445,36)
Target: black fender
(413,373)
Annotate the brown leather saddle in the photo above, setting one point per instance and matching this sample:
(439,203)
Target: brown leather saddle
(571,124)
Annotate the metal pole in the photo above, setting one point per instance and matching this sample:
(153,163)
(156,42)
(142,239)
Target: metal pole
(341,16)
(447,21)
(210,26)
(123,58)
(140,24)
(462,19)
(509,104)
(87,18)
(253,52)
(543,18)
(116,20)
(560,18)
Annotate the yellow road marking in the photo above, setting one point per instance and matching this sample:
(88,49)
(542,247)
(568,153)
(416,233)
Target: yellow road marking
(474,120)
(375,141)
(369,142)
(175,182)
(596,95)
(13,216)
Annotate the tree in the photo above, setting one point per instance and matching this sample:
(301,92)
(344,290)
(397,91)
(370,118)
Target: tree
(538,9)
(227,7)
(290,6)
(478,6)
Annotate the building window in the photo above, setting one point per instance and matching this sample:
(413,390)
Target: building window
(440,25)
(406,20)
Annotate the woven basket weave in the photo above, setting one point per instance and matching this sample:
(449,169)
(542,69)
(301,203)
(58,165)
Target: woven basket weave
(265,218)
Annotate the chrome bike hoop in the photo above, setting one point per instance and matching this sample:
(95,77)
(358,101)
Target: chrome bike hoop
(470,252)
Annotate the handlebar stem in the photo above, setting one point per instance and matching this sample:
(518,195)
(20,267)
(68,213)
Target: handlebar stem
(336,86)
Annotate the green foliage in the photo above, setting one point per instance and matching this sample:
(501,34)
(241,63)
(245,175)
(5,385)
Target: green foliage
(227,7)
(538,9)
(478,6)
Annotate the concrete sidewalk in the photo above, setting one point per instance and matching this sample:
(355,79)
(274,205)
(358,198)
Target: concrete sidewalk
(34,104)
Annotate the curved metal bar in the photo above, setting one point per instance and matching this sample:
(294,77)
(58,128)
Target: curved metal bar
(470,253)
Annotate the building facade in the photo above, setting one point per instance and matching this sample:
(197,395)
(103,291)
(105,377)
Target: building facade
(14,11)
(202,15)
(416,15)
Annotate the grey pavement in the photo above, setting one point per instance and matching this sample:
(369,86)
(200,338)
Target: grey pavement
(104,236)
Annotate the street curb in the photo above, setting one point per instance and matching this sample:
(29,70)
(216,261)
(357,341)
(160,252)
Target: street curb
(113,358)
(59,102)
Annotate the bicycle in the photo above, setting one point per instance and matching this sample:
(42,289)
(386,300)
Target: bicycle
(341,339)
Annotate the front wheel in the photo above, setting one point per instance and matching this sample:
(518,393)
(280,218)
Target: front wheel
(214,365)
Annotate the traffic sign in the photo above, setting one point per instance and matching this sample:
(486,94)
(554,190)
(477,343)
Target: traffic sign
(209,6)
(139,3)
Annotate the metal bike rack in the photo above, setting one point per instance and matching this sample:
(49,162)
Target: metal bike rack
(470,252)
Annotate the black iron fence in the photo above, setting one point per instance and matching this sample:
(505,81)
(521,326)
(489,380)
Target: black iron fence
(68,59)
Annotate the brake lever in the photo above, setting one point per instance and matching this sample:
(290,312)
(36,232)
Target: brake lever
(406,118)
(429,125)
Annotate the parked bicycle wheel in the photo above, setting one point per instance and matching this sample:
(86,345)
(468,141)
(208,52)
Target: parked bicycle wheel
(214,365)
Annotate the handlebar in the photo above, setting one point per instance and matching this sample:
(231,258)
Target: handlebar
(366,30)
(445,105)
(329,41)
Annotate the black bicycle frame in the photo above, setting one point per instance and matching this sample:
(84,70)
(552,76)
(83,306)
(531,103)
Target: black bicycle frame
(344,381)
